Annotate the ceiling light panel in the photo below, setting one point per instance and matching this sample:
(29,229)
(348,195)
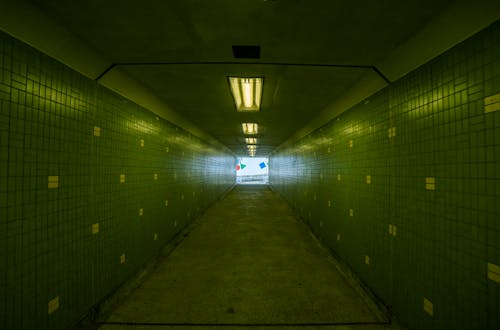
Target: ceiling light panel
(247,93)
(252,150)
(250,128)
(251,140)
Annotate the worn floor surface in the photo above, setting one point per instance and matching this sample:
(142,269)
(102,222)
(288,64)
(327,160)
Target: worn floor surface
(246,264)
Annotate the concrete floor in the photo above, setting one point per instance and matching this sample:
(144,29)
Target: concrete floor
(247,264)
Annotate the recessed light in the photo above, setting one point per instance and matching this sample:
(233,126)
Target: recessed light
(250,128)
(251,140)
(252,150)
(247,93)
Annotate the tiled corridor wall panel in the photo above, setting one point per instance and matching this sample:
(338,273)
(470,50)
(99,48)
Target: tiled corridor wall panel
(405,187)
(91,186)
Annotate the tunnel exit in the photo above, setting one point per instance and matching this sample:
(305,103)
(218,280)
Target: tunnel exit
(252,170)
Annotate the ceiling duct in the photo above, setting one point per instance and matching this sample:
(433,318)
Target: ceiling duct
(246,51)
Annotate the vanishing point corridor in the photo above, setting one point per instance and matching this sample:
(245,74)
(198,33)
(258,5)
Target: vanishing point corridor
(133,135)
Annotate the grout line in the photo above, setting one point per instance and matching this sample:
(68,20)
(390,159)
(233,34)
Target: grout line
(186,324)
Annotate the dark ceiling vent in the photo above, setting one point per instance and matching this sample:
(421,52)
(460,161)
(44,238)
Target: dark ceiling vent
(246,51)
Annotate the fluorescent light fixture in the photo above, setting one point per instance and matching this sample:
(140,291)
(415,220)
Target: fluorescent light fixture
(252,150)
(250,128)
(247,93)
(251,140)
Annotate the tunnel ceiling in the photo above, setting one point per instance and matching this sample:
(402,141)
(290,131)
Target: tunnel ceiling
(345,33)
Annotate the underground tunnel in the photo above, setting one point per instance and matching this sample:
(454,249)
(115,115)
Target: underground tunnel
(252,164)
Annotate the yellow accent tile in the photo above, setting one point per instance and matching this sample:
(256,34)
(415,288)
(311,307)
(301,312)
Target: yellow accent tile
(494,272)
(95,228)
(367,260)
(368,179)
(53,305)
(391,132)
(122,178)
(428,307)
(430,183)
(494,277)
(166,202)
(53,181)
(329,203)
(351,212)
(492,99)
(97,131)
(338,237)
(493,268)
(141,211)
(156,176)
(492,107)
(142,143)
(122,258)
(394,230)
(338,177)
(430,180)
(155,237)
(351,143)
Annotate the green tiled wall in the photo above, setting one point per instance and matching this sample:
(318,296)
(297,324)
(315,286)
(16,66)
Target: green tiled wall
(444,237)
(48,115)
